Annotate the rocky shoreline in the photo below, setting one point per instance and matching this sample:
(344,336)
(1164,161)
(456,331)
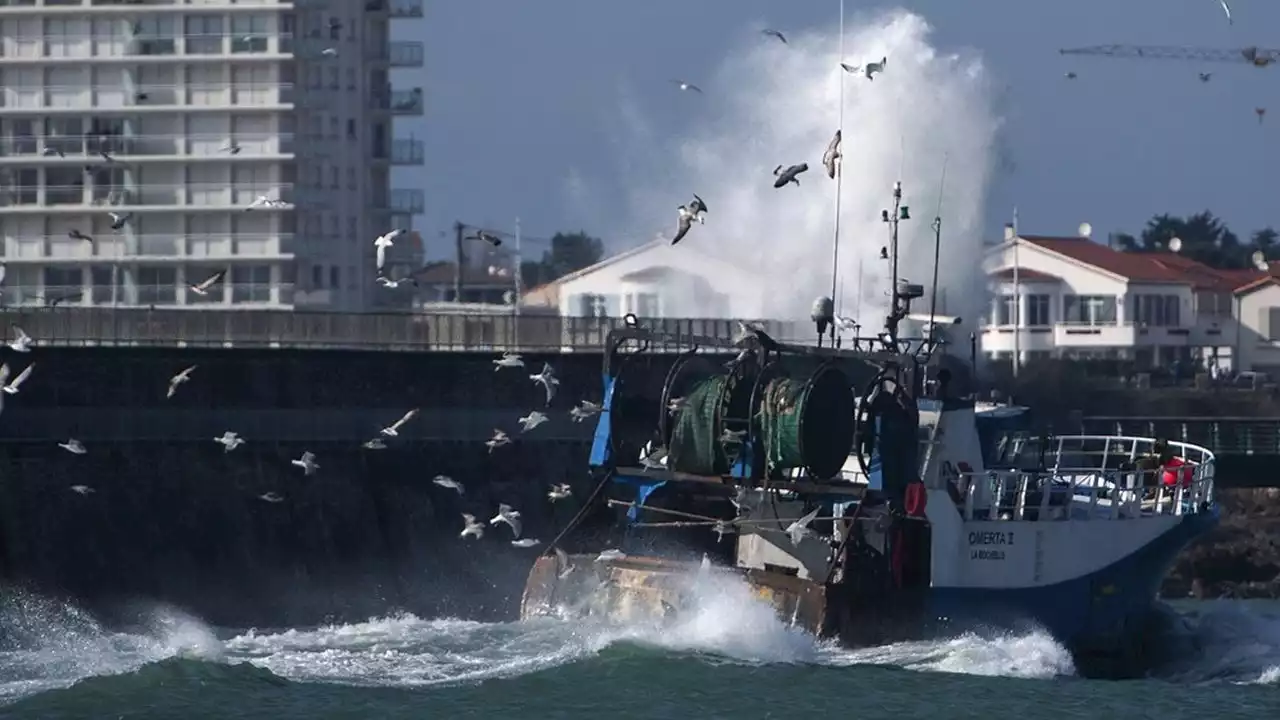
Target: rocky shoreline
(1241,558)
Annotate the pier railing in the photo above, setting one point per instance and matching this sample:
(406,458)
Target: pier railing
(409,332)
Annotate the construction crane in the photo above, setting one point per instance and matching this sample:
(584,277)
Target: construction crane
(1258,57)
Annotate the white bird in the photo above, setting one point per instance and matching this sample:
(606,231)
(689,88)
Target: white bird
(178,379)
(53,151)
(231,147)
(526,542)
(498,440)
(875,67)
(73,446)
(686,215)
(532,420)
(374,444)
(846,324)
(388,239)
(264,201)
(390,284)
(271,497)
(329,52)
(560,491)
(1226,9)
(798,529)
(687,86)
(564,566)
(722,528)
(12,387)
(81,489)
(770,32)
(674,404)
(471,527)
(229,441)
(393,429)
(653,458)
(307,462)
(508,360)
(506,514)
(445,481)
(21,340)
(610,554)
(831,157)
(380,245)
(745,499)
(548,380)
(732,436)
(119,220)
(202,287)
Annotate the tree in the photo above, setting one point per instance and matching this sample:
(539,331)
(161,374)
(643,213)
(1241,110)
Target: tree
(568,252)
(1205,238)
(1266,240)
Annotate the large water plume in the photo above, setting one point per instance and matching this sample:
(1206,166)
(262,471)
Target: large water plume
(774,104)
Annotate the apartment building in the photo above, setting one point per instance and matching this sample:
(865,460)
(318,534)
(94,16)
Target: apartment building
(146,145)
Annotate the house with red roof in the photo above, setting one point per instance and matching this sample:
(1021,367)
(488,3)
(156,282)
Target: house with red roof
(1074,297)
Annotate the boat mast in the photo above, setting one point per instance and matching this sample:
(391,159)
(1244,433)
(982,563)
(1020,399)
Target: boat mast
(898,305)
(835,241)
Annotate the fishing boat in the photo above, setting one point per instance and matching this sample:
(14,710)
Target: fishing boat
(848,485)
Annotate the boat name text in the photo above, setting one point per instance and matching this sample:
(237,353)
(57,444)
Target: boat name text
(990,538)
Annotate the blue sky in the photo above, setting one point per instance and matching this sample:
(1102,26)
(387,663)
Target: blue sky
(521,93)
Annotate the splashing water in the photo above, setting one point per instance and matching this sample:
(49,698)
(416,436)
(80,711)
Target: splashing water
(773,104)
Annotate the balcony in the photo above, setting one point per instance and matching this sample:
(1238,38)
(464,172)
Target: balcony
(1081,335)
(147,247)
(407,152)
(407,201)
(402,9)
(62,149)
(407,54)
(42,199)
(53,49)
(208,96)
(398,102)
(115,290)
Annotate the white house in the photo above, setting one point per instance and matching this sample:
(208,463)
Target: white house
(655,280)
(1074,297)
(1257,305)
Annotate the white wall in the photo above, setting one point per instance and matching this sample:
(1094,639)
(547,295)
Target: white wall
(1256,349)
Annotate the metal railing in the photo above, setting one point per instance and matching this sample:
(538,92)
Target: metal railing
(1094,477)
(56,147)
(111,246)
(406,54)
(71,47)
(1225,435)
(413,332)
(189,194)
(405,151)
(410,201)
(400,102)
(132,294)
(406,9)
(143,96)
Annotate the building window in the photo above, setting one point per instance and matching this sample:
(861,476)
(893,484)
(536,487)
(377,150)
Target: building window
(335,29)
(601,306)
(1038,314)
(333,78)
(1089,309)
(646,305)
(102,278)
(335,277)
(351,78)
(1006,310)
(64,186)
(203,35)
(335,177)
(1156,310)
(251,284)
(249,33)
(157,285)
(317,277)
(155,35)
(60,282)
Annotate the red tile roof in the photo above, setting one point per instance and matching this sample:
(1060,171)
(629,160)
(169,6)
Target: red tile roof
(1137,267)
(1025,275)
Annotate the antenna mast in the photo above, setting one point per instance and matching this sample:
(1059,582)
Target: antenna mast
(901,293)
(937,255)
(835,240)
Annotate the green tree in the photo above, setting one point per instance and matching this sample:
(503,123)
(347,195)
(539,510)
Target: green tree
(1267,240)
(568,252)
(1205,238)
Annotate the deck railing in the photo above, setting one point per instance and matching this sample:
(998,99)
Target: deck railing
(413,332)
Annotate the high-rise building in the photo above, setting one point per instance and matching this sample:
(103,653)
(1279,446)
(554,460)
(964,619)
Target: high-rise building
(146,145)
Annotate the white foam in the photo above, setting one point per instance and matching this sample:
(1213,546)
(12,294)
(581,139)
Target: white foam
(774,104)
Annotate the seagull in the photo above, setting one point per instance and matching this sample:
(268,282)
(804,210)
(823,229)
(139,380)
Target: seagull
(508,360)
(488,237)
(526,542)
(374,444)
(732,436)
(387,282)
(380,245)
(744,501)
(831,155)
(1070,75)
(750,335)
(847,323)
(687,214)
(1226,9)
(875,67)
(563,565)
(202,287)
(532,420)
(75,234)
(610,554)
(81,489)
(471,527)
(73,446)
(229,441)
(560,491)
(12,387)
(307,462)
(329,52)
(21,340)
(106,156)
(498,440)
(393,429)
(445,481)
(1205,76)
(271,497)
(119,220)
(548,379)
(722,528)
(674,404)
(178,379)
(53,151)
(584,410)
(654,459)
(508,515)
(687,86)
(775,34)
(231,148)
(798,529)
(789,174)
(264,201)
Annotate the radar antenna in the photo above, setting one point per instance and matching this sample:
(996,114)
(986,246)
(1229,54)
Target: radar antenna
(902,292)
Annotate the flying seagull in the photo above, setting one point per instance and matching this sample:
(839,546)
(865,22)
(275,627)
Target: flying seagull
(525,542)
(21,340)
(548,380)
(1070,75)
(73,446)
(1205,76)
(447,482)
(1226,9)
(81,489)
(229,441)
(788,175)
(769,32)
(798,529)
(393,429)
(508,360)
(119,220)
(11,388)
(564,567)
(471,527)
(271,497)
(831,155)
(532,420)
(695,210)
(560,491)
(584,410)
(75,234)
(875,67)
(231,148)
(509,516)
(178,379)
(307,462)
(498,440)
(374,444)
(202,288)
(687,86)
(483,236)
